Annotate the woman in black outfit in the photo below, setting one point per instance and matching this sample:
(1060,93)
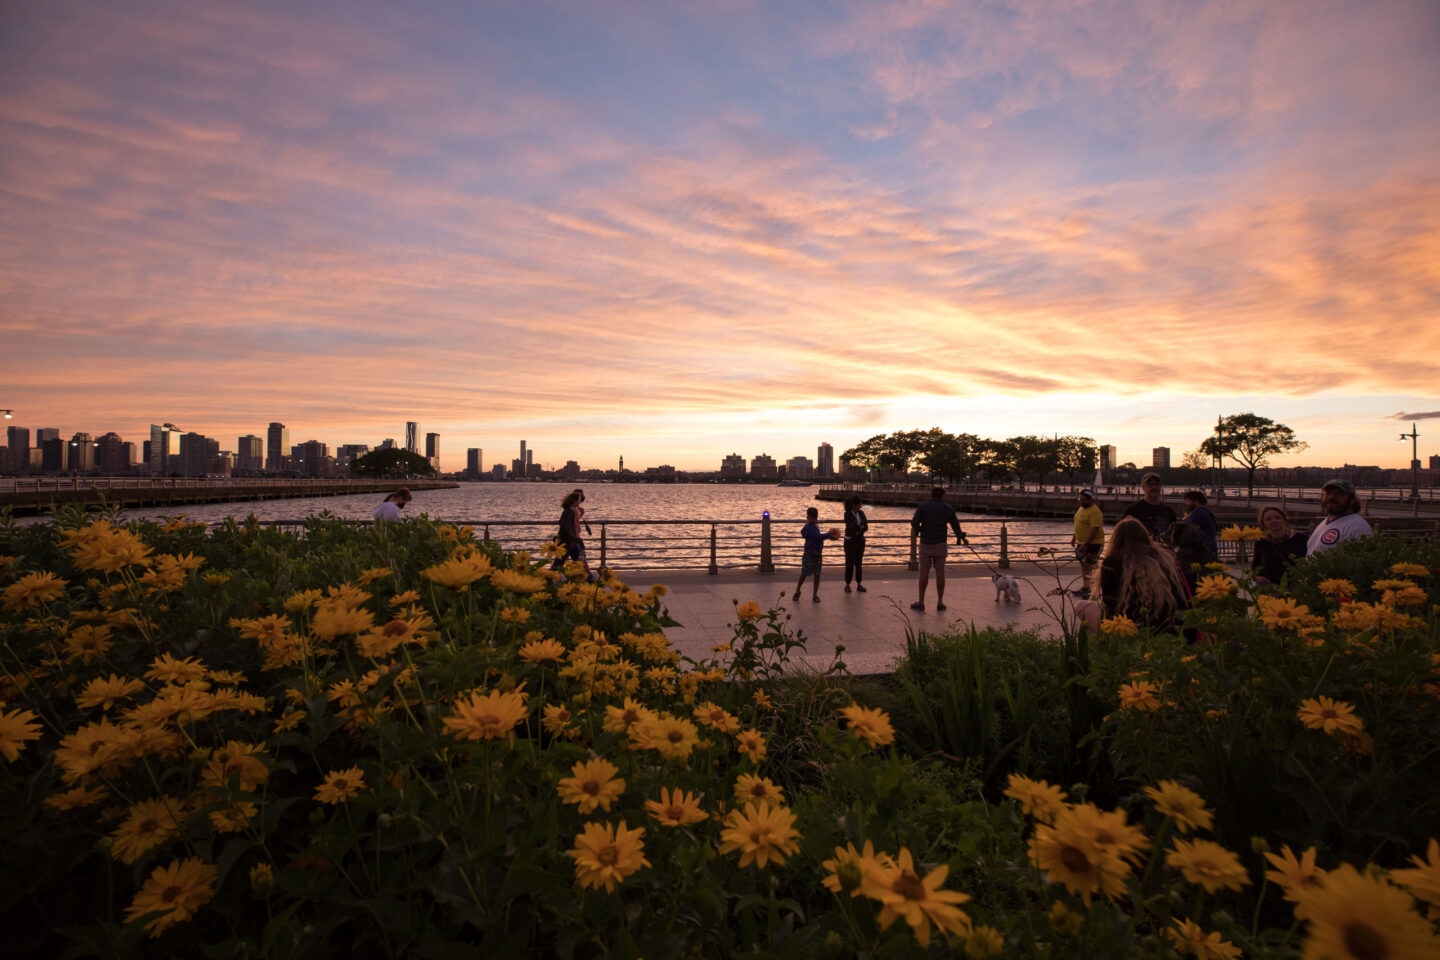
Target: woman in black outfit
(1280,548)
(855,527)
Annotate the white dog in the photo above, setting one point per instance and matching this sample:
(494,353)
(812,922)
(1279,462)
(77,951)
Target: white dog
(1005,584)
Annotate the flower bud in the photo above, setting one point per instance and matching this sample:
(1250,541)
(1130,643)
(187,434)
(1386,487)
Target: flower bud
(262,879)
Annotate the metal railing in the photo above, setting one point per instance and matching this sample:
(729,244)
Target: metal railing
(41,485)
(1223,492)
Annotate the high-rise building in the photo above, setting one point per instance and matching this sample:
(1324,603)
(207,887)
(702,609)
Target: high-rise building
(249,454)
(277,445)
(825,461)
(46,433)
(1160,458)
(571,470)
(732,466)
(194,452)
(523,458)
(348,453)
(110,455)
(52,454)
(432,448)
(763,465)
(388,443)
(127,454)
(412,436)
(1435,461)
(310,458)
(474,464)
(164,444)
(799,468)
(1108,457)
(81,454)
(18,449)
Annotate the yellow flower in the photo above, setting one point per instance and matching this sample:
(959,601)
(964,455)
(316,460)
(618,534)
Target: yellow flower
(1281,613)
(847,871)
(408,596)
(262,879)
(621,719)
(1119,626)
(1183,806)
(1422,880)
(244,761)
(1331,716)
(340,785)
(556,720)
(487,716)
(90,748)
(167,669)
(1037,798)
(983,943)
(1064,921)
(88,642)
(752,744)
(1337,587)
(1215,587)
(1067,853)
(333,620)
(32,590)
(749,610)
(592,784)
(1242,533)
(716,717)
(674,737)
(382,641)
(605,855)
(762,700)
(1189,938)
(1292,875)
(514,614)
(1406,569)
(1405,596)
(173,893)
(75,798)
(1140,695)
(458,572)
(1207,865)
(17,727)
(869,724)
(676,808)
(517,582)
(752,789)
(1355,915)
(761,833)
(918,900)
(233,817)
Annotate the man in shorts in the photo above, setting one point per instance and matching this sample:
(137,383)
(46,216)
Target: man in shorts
(1152,511)
(1342,517)
(1088,539)
(930,521)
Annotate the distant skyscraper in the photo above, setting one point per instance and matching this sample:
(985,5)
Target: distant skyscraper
(799,468)
(46,433)
(412,436)
(81,453)
(1108,457)
(311,458)
(249,454)
(52,453)
(432,447)
(194,452)
(1160,458)
(277,445)
(164,445)
(18,445)
(825,461)
(763,465)
(110,454)
(732,466)
(1435,461)
(474,463)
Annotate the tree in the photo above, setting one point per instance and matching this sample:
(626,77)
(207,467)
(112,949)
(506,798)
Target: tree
(394,463)
(1250,441)
(1075,455)
(1195,459)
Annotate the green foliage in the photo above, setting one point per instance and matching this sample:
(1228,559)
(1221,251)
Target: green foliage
(1250,440)
(392,463)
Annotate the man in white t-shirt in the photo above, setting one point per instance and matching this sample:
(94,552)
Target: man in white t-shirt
(1342,517)
(390,509)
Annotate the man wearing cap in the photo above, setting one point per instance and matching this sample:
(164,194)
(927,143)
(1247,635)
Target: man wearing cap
(1342,517)
(1088,539)
(1152,511)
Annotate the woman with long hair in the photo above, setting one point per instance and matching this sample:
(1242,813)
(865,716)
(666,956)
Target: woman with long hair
(571,515)
(1281,547)
(1139,579)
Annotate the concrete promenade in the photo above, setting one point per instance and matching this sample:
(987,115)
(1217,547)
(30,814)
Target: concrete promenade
(871,625)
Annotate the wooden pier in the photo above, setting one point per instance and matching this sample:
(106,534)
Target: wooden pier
(27,497)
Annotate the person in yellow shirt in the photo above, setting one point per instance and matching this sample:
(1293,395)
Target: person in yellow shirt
(1089,539)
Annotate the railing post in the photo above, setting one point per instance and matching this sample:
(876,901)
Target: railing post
(714,566)
(767,563)
(1004,547)
(602,544)
(914,550)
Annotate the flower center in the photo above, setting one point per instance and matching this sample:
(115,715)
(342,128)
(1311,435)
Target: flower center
(591,787)
(147,826)
(608,856)
(675,736)
(673,812)
(1074,860)
(172,893)
(488,720)
(1329,713)
(396,628)
(341,783)
(908,885)
(1365,942)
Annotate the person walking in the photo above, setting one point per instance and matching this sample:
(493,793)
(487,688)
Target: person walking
(810,559)
(391,506)
(1154,513)
(855,527)
(1280,548)
(1088,539)
(930,522)
(1342,517)
(572,514)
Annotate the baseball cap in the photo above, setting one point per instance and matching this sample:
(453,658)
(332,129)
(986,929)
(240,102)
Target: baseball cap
(1339,484)
(1087,493)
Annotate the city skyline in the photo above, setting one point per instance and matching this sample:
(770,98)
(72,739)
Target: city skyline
(673,232)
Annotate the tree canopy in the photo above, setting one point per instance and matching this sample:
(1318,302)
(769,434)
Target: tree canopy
(1250,440)
(962,455)
(392,462)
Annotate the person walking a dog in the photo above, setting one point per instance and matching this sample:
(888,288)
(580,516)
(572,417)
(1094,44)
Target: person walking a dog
(1088,539)
(930,521)
(855,527)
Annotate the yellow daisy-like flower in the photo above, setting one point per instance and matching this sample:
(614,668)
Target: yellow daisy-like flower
(486,716)
(984,943)
(762,833)
(1233,533)
(1207,864)
(716,717)
(87,643)
(167,669)
(1337,587)
(1182,805)
(1281,613)
(541,651)
(752,789)
(1064,921)
(333,620)
(1406,569)
(1066,852)
(1331,716)
(243,761)
(1214,587)
(340,785)
(749,610)
(1405,596)
(17,727)
(1188,937)
(373,574)
(517,582)
(1291,874)
(673,737)
(920,901)
(1119,626)
(762,700)
(592,784)
(872,725)
(458,572)
(621,719)
(1352,914)
(847,871)
(1392,584)
(556,719)
(1140,695)
(605,855)
(752,744)
(173,894)
(514,615)
(32,590)
(676,808)
(234,817)
(1422,880)
(76,798)
(1037,798)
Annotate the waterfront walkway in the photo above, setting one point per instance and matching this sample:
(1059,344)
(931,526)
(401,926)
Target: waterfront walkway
(871,625)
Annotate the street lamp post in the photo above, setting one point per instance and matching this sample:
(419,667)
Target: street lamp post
(1414,437)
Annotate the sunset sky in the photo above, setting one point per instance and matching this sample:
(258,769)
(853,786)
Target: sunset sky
(674,230)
